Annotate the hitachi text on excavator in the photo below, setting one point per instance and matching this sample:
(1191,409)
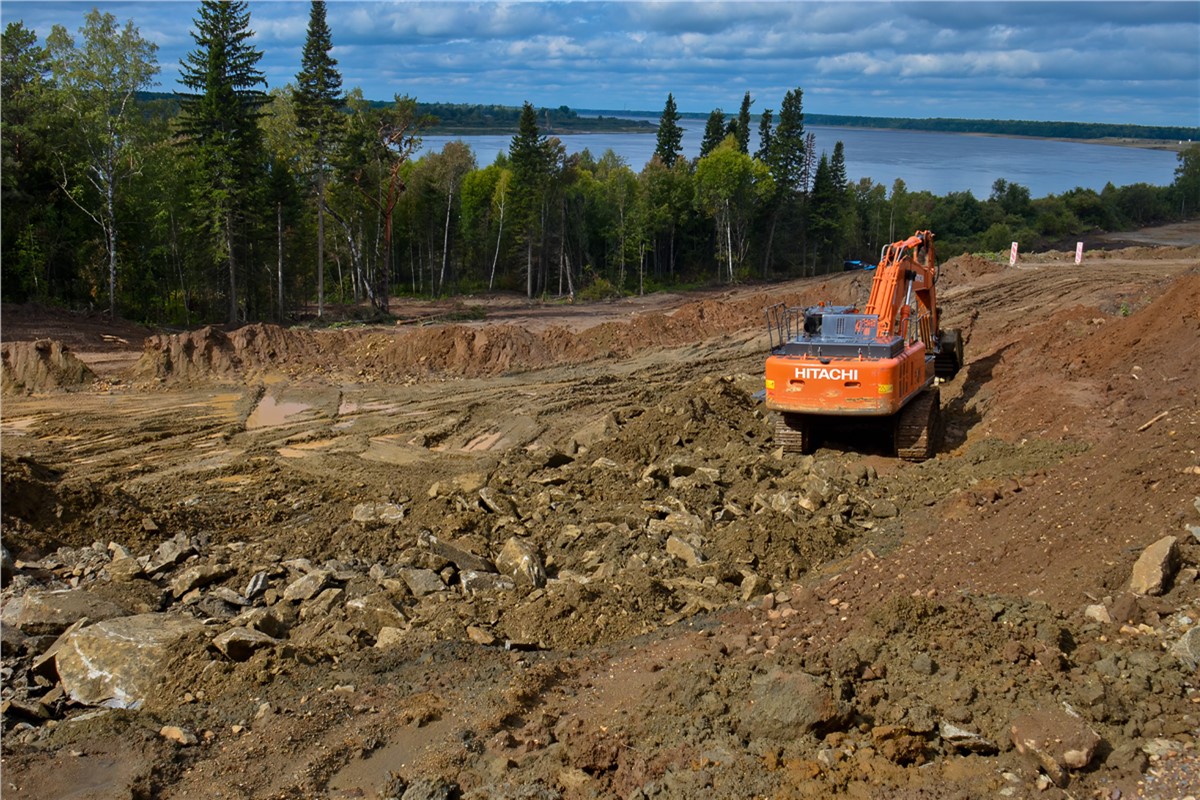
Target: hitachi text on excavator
(830,365)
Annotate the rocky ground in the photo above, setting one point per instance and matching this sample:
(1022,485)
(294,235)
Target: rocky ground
(553,552)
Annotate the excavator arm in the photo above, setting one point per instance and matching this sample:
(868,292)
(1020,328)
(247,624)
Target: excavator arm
(907,268)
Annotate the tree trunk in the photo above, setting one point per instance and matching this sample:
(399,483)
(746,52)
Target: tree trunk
(233,299)
(729,241)
(446,242)
(496,255)
(320,243)
(111,235)
(279,264)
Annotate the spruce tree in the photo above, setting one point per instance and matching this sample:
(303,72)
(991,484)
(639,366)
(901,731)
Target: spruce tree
(786,153)
(528,159)
(318,114)
(219,121)
(714,132)
(669,144)
(764,135)
(741,131)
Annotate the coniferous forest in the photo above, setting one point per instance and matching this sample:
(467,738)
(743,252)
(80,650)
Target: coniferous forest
(226,202)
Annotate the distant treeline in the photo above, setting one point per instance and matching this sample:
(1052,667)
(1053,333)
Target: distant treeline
(468,118)
(1003,127)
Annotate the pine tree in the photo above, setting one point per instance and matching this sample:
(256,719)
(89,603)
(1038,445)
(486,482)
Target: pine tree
(220,122)
(318,114)
(669,144)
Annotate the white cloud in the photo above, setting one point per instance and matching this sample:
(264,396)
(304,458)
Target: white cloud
(1113,61)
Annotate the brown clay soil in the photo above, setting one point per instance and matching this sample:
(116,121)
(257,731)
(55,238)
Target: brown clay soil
(716,619)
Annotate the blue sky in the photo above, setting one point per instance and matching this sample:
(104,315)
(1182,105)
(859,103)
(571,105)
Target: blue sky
(1122,62)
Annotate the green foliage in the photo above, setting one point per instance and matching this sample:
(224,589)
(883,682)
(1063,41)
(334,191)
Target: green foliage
(599,289)
(223,226)
(219,121)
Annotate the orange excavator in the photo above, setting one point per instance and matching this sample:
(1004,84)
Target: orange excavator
(830,365)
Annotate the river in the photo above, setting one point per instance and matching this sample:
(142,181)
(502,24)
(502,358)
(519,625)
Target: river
(940,163)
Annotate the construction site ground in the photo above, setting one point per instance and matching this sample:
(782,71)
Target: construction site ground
(554,552)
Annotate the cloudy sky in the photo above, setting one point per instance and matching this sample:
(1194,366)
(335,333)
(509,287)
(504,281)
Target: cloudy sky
(1126,62)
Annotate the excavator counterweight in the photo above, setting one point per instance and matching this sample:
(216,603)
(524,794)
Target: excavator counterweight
(830,362)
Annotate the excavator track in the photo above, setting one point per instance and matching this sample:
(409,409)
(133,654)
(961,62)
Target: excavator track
(794,433)
(919,428)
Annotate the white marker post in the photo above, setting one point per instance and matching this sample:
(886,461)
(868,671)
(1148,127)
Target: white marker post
(1079,253)
(1012,256)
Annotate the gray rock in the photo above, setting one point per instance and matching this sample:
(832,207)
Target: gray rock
(461,558)
(239,644)
(430,789)
(787,705)
(676,523)
(1055,741)
(125,568)
(116,662)
(49,613)
(323,603)
(375,611)
(256,586)
(497,502)
(964,741)
(473,581)
(7,568)
(265,620)
(884,509)
(170,553)
(519,560)
(1155,567)
(754,586)
(227,595)
(378,514)
(1187,649)
(422,581)
(686,552)
(922,664)
(389,637)
(309,586)
(198,577)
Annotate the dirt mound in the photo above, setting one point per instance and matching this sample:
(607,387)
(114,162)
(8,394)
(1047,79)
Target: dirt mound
(965,268)
(1081,370)
(456,350)
(40,366)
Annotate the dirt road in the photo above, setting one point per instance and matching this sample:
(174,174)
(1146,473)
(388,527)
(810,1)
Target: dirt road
(554,553)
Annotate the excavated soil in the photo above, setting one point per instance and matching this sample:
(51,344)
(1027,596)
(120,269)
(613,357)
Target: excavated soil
(689,613)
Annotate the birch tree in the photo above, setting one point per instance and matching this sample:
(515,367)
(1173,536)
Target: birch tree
(98,81)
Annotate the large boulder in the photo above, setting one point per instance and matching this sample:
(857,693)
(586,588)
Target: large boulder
(115,663)
(519,560)
(49,613)
(786,705)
